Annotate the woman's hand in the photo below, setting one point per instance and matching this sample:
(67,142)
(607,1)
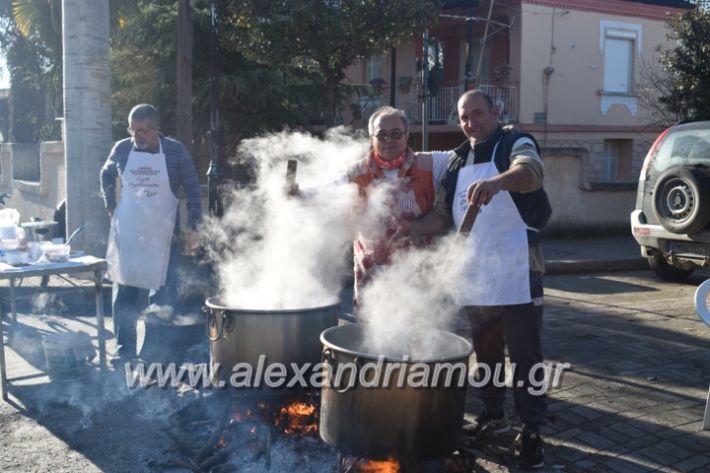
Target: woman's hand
(190,243)
(291,190)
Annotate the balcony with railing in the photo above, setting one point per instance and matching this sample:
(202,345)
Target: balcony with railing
(442,107)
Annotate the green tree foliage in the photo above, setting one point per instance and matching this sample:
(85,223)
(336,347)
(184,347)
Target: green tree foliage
(281,63)
(26,91)
(253,97)
(31,41)
(143,51)
(688,65)
(324,36)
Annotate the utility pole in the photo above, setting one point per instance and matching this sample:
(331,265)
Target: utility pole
(213,188)
(87,118)
(425,91)
(468,73)
(483,43)
(393,75)
(184,74)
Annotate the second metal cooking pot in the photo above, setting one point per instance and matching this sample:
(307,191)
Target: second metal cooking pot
(39,230)
(406,421)
(283,336)
(171,339)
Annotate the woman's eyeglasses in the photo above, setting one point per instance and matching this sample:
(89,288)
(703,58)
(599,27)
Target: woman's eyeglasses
(393,135)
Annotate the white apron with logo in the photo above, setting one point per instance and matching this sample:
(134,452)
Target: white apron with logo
(143,222)
(496,257)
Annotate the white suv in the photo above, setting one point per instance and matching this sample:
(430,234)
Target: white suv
(672,216)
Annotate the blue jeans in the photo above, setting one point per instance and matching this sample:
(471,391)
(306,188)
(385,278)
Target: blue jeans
(128,303)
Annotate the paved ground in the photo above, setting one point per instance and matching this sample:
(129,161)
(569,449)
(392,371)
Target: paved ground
(632,399)
(574,255)
(634,396)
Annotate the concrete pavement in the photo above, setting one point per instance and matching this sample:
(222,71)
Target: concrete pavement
(593,254)
(631,400)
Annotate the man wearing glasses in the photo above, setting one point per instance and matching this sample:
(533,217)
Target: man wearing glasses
(142,249)
(408,179)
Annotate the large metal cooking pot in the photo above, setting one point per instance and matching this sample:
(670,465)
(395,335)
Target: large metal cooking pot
(283,336)
(391,420)
(39,230)
(170,339)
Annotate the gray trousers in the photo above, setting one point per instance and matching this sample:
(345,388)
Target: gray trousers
(128,303)
(517,328)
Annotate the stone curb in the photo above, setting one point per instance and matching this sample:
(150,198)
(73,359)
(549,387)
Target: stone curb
(594,266)
(552,267)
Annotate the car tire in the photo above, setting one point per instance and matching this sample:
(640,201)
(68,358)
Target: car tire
(681,200)
(666,271)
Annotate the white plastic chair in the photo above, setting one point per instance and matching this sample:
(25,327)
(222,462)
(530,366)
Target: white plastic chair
(701,307)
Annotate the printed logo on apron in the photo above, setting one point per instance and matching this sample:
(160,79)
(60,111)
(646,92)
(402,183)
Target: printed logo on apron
(143,222)
(496,256)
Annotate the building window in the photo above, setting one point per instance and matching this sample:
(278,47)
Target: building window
(475,53)
(619,44)
(375,67)
(616,161)
(618,65)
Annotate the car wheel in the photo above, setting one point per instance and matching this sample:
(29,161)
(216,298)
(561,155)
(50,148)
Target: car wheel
(681,200)
(667,272)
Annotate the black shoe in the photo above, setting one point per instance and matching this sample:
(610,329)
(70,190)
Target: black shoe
(532,454)
(120,359)
(489,424)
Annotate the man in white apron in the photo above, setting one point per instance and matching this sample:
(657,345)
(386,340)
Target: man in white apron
(501,288)
(141,253)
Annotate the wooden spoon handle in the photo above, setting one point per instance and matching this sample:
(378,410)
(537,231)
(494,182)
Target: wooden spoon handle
(291,168)
(469,219)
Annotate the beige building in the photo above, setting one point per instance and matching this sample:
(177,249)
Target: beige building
(568,71)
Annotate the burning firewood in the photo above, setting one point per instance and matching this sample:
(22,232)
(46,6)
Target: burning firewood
(222,469)
(213,441)
(187,466)
(218,458)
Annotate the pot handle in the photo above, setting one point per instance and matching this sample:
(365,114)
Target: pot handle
(356,362)
(349,318)
(211,321)
(329,355)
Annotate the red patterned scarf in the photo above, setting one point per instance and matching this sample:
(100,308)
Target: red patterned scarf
(388,165)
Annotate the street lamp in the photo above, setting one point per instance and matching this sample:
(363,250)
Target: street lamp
(213,188)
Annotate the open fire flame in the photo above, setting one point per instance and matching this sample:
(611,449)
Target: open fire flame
(239,415)
(387,466)
(298,417)
(294,418)
(248,431)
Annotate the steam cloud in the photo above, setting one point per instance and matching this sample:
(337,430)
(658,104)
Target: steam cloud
(411,299)
(278,253)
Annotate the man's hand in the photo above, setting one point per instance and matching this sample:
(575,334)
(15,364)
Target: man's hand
(190,243)
(481,192)
(518,178)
